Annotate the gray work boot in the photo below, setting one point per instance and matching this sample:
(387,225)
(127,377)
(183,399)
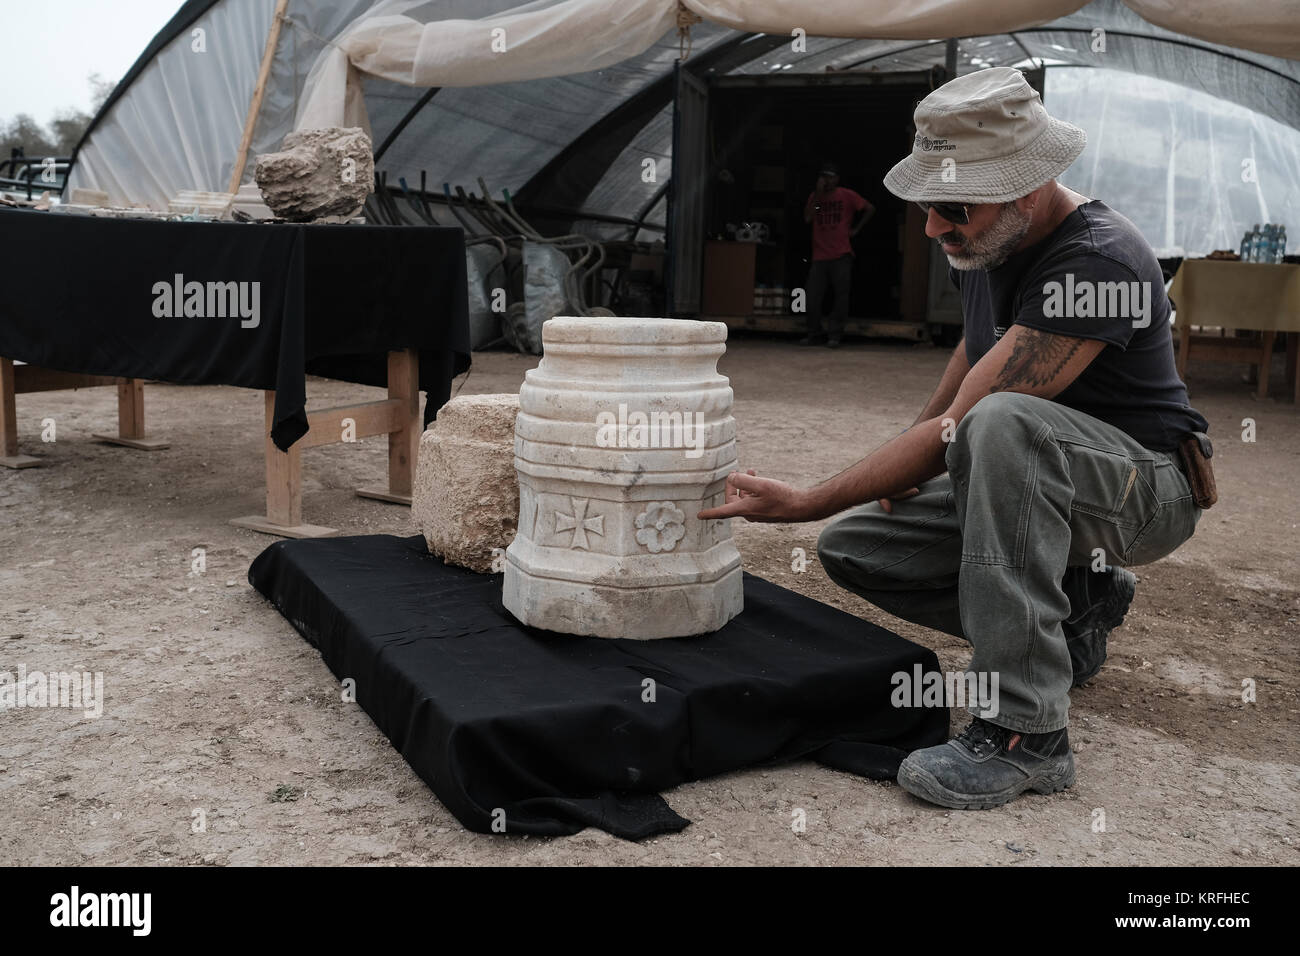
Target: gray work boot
(986,766)
(1098,603)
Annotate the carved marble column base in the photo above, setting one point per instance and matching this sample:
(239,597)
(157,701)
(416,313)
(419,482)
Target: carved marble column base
(624,434)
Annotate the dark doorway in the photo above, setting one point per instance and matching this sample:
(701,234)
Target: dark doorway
(765,138)
(769,145)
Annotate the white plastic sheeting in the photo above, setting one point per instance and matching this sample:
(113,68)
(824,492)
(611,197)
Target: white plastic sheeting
(485,271)
(307,31)
(1139,129)
(508,132)
(178,124)
(1265,26)
(545,268)
(886,19)
(1192,172)
(174,129)
(1263,83)
(530,42)
(409,41)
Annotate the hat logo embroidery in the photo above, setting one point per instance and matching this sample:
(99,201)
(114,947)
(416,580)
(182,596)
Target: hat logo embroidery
(933,145)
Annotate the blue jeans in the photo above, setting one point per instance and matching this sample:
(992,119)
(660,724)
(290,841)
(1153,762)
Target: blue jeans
(1032,488)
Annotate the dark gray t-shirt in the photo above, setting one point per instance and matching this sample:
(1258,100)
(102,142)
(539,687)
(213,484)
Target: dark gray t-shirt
(1093,277)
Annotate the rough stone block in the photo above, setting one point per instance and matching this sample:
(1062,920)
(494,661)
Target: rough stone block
(318,173)
(466,496)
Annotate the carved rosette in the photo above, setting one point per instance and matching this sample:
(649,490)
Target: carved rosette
(660,526)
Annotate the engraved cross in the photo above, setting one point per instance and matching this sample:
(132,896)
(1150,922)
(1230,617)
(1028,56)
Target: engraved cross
(579,523)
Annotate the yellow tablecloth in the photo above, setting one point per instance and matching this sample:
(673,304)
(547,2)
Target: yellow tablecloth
(1237,295)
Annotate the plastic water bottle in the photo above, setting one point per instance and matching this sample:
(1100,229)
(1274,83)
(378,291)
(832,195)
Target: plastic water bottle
(1253,251)
(1244,251)
(1281,245)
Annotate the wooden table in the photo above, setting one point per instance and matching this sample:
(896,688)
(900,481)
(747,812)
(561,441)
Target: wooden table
(1233,295)
(257,306)
(397,416)
(17,379)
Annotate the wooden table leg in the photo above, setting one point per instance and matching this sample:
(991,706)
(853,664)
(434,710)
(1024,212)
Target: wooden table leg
(9,456)
(404,443)
(130,419)
(1265,361)
(283,490)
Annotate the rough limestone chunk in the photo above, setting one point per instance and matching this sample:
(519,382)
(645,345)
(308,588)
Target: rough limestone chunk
(466,500)
(317,173)
(624,434)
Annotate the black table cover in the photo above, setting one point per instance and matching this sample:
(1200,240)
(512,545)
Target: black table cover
(548,733)
(88,294)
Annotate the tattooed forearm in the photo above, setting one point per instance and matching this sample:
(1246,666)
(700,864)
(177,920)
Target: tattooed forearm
(1036,359)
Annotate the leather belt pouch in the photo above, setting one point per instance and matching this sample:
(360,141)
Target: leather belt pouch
(1196,452)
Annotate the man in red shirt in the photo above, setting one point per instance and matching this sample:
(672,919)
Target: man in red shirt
(836,214)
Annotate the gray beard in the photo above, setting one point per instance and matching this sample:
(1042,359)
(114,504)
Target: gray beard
(990,248)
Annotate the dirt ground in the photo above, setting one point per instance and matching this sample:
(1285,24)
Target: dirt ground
(217,711)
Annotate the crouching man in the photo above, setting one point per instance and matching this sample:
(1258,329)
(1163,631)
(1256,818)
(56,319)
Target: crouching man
(1056,450)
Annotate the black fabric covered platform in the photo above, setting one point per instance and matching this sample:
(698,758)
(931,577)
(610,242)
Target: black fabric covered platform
(553,730)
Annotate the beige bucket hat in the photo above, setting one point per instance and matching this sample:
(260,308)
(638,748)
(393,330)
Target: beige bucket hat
(984,138)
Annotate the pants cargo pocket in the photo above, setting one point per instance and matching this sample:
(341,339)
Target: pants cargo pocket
(1174,521)
(1115,502)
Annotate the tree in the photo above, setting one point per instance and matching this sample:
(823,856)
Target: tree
(100,90)
(24,132)
(64,132)
(66,129)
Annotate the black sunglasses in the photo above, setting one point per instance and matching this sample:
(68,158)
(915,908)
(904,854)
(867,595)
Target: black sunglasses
(953,212)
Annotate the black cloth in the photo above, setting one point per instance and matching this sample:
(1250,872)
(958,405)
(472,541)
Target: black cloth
(553,730)
(1133,384)
(330,300)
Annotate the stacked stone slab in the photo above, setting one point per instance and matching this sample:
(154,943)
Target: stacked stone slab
(624,434)
(466,499)
(205,203)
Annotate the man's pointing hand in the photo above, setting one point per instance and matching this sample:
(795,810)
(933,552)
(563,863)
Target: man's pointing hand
(759,499)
